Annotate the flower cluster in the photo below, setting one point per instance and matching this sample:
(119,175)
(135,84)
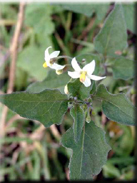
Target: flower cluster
(49,60)
(85,74)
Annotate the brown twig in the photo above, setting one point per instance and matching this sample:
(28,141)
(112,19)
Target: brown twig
(36,136)
(55,132)
(1,92)
(103,119)
(85,32)
(14,46)
(13,53)
(10,122)
(7,22)
(87,29)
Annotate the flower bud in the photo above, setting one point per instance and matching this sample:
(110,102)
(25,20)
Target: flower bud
(58,72)
(88,117)
(66,90)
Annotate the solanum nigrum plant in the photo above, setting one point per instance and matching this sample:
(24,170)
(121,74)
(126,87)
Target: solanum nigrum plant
(80,78)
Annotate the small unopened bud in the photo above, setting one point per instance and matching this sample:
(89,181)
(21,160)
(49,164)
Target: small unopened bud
(88,117)
(75,98)
(83,60)
(66,89)
(58,72)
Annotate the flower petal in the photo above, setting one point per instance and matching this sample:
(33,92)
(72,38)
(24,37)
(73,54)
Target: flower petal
(54,54)
(74,74)
(93,77)
(57,66)
(47,55)
(87,82)
(75,65)
(89,67)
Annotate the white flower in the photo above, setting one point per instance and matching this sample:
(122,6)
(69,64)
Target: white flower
(84,74)
(49,60)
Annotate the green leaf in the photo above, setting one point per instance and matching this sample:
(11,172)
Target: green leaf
(8,12)
(89,154)
(129,12)
(31,60)
(77,89)
(113,36)
(79,118)
(116,107)
(48,107)
(109,170)
(122,67)
(52,81)
(38,16)
(88,9)
(126,142)
(21,79)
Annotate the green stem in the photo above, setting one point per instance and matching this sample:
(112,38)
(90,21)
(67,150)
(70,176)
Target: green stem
(64,57)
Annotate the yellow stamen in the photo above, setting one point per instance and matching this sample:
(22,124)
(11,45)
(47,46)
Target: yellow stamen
(83,76)
(45,65)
